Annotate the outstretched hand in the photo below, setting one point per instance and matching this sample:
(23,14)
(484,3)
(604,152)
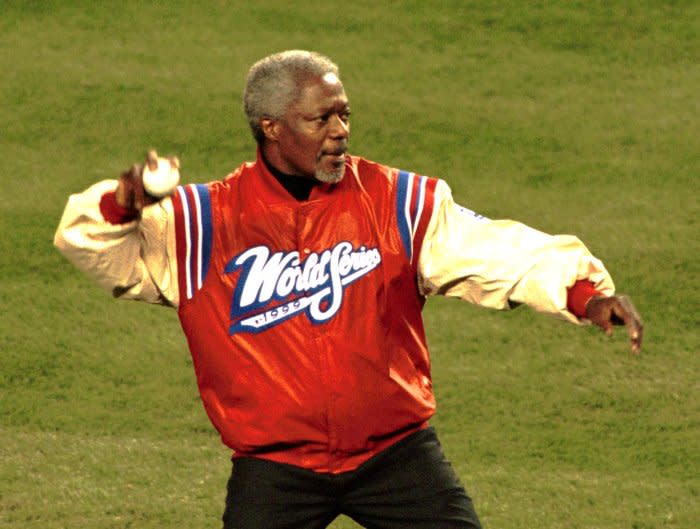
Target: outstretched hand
(605,312)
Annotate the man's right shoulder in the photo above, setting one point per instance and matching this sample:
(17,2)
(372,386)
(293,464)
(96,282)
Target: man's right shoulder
(232,179)
(240,174)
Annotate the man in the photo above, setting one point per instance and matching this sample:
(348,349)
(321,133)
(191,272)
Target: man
(299,282)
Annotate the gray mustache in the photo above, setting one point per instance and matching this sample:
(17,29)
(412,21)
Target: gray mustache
(341,149)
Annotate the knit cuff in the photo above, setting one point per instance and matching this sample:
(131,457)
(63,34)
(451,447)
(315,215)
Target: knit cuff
(113,212)
(578,295)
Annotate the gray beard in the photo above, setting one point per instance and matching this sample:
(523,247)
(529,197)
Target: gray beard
(330,177)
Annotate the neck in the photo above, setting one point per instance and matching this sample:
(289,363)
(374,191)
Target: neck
(298,186)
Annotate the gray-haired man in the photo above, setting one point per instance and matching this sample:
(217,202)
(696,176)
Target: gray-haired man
(299,281)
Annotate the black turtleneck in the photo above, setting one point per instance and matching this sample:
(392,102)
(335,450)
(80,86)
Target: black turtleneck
(297,186)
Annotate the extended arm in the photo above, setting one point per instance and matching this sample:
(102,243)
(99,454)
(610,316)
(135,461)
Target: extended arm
(501,264)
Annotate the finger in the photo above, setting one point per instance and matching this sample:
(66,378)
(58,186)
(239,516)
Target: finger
(131,173)
(626,311)
(152,160)
(607,328)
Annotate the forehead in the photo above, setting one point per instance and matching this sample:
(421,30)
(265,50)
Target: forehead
(321,92)
(330,78)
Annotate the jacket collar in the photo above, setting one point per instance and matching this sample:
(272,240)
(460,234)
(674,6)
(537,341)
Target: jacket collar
(272,190)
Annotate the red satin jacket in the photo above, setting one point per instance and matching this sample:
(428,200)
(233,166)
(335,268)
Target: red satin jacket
(304,318)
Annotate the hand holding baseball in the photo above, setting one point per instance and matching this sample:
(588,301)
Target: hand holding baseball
(147,183)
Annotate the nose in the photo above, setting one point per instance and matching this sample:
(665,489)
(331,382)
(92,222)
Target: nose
(340,128)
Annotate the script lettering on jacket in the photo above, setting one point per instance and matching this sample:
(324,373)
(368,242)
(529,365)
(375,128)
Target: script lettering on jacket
(314,286)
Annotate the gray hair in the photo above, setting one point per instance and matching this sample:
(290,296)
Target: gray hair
(275,82)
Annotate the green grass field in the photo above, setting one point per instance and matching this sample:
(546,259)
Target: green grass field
(574,117)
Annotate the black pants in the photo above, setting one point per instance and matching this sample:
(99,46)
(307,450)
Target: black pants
(409,485)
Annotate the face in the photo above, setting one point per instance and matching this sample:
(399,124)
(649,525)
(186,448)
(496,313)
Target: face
(312,138)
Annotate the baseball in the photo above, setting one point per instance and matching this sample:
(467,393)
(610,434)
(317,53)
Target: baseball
(160,175)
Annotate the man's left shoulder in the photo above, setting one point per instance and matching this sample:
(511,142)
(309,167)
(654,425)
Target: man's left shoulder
(372,173)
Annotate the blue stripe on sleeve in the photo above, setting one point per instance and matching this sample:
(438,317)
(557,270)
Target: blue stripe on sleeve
(206,235)
(404,227)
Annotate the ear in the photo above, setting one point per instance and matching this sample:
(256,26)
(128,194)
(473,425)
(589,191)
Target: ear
(271,128)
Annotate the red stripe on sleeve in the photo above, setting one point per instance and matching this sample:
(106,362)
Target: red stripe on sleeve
(424,219)
(180,246)
(578,295)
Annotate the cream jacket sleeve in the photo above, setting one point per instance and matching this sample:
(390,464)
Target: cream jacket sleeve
(502,263)
(134,260)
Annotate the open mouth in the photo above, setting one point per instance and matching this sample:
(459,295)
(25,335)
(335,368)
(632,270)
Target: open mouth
(337,158)
(336,151)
